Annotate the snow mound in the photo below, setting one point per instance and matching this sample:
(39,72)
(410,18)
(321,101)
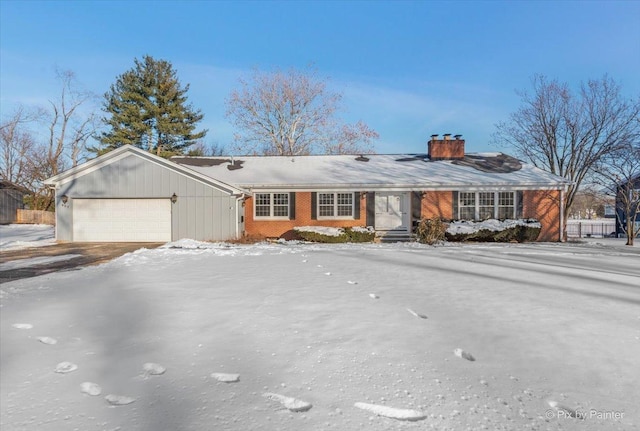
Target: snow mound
(322,230)
(468,227)
(292,404)
(90,388)
(392,412)
(18,236)
(192,244)
(22,325)
(226,377)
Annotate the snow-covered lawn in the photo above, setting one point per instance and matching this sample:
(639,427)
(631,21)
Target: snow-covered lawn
(15,236)
(289,336)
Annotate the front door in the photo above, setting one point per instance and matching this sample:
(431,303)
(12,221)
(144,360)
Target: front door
(391,211)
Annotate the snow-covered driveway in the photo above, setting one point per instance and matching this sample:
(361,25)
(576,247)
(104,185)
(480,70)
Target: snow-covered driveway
(554,330)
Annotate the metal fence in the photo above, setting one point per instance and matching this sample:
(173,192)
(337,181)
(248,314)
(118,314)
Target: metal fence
(591,228)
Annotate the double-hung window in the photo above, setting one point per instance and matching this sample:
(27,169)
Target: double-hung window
(335,205)
(486,205)
(506,205)
(272,205)
(467,206)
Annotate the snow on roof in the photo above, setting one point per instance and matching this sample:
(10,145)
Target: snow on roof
(372,172)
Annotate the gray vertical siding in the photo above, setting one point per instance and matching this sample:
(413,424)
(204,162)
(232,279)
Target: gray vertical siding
(202,211)
(10,201)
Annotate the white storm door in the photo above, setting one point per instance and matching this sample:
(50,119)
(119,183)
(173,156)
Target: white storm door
(121,220)
(391,211)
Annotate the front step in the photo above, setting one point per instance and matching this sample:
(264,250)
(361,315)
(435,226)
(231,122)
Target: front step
(393,236)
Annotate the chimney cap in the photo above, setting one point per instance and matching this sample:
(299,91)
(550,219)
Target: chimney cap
(434,136)
(457,136)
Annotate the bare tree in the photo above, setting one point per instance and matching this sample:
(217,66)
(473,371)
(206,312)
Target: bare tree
(589,202)
(69,123)
(200,149)
(619,173)
(69,127)
(292,113)
(567,133)
(18,145)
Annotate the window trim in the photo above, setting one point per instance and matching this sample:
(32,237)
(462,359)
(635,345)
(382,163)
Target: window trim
(336,205)
(272,206)
(496,204)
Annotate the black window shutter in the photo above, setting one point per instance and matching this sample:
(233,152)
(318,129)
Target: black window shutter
(456,216)
(519,203)
(292,206)
(356,205)
(371,209)
(314,206)
(416,205)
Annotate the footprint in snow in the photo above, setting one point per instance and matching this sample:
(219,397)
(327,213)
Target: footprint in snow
(226,377)
(327,273)
(421,316)
(119,400)
(90,388)
(153,369)
(22,325)
(392,412)
(464,355)
(352,282)
(289,403)
(304,261)
(65,367)
(48,340)
(566,410)
(373,296)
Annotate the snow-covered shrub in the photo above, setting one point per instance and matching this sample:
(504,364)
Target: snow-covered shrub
(520,230)
(360,233)
(335,234)
(431,231)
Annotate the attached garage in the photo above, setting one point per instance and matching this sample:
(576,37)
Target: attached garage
(122,220)
(130,195)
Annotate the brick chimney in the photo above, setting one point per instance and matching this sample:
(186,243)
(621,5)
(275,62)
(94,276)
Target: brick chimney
(446,148)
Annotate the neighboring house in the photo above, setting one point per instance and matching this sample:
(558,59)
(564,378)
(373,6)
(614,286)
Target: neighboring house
(127,193)
(621,216)
(11,200)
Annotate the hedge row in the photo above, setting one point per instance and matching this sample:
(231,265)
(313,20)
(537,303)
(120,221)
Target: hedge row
(347,235)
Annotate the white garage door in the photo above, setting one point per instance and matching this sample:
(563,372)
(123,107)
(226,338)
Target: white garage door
(121,220)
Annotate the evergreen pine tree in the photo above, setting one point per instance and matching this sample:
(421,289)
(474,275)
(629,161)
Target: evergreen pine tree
(147,107)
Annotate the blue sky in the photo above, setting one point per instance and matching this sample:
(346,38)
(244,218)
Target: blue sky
(406,68)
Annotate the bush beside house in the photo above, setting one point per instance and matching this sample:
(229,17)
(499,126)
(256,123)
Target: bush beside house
(335,235)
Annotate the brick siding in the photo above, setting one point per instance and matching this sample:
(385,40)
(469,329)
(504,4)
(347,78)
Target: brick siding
(284,228)
(539,204)
(544,206)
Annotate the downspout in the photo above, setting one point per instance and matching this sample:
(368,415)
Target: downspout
(562,192)
(239,205)
(55,207)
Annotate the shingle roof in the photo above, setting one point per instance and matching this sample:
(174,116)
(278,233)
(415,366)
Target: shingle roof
(372,172)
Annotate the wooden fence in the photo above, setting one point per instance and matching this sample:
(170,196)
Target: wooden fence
(35,217)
